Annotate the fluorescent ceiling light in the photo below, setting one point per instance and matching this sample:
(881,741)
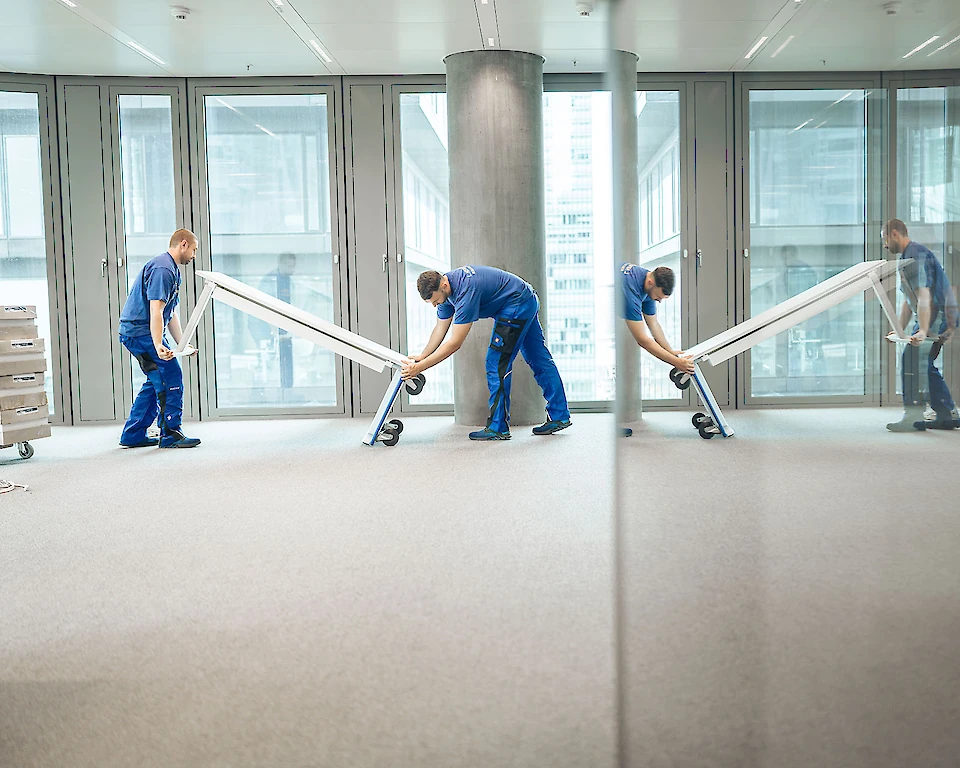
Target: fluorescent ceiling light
(805,122)
(783,45)
(484,1)
(921,46)
(756,47)
(68,3)
(217,98)
(944,46)
(277,3)
(491,43)
(265,130)
(320,50)
(845,96)
(140,49)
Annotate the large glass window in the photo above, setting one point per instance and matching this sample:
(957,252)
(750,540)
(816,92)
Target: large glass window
(147,182)
(268,182)
(577,167)
(23,254)
(426,222)
(658,164)
(808,152)
(928,175)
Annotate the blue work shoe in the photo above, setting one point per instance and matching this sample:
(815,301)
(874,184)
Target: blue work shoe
(176,439)
(551,426)
(489,434)
(147,442)
(626,432)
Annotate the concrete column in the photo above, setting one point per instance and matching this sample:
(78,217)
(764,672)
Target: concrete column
(622,79)
(495,127)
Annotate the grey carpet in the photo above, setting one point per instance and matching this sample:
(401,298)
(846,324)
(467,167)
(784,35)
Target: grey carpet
(284,596)
(792,594)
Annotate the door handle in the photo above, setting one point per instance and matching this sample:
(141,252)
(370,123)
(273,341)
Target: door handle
(103,267)
(699,258)
(746,253)
(384,262)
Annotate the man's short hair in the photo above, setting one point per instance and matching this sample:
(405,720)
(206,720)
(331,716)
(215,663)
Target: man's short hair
(428,284)
(895,225)
(182,234)
(664,280)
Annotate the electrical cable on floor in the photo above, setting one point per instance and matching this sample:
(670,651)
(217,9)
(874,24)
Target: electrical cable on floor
(6,487)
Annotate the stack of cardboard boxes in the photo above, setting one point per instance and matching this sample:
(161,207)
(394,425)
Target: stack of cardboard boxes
(23,401)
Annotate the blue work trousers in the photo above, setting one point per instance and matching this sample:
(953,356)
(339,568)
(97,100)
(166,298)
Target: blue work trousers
(518,331)
(914,388)
(161,396)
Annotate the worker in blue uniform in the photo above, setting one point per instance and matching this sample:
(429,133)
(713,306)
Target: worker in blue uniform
(462,297)
(150,311)
(642,290)
(927,293)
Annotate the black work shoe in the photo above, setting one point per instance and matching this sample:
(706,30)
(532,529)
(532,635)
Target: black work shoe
(148,442)
(489,434)
(944,421)
(551,426)
(907,424)
(176,439)
(626,432)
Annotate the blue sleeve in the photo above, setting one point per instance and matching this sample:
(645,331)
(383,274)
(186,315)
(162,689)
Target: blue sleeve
(632,304)
(445,310)
(468,305)
(160,284)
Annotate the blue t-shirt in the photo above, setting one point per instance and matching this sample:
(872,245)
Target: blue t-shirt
(483,292)
(636,302)
(926,271)
(159,280)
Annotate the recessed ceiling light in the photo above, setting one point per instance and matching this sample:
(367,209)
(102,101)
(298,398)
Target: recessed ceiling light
(484,1)
(320,50)
(756,47)
(68,3)
(783,45)
(490,42)
(141,50)
(921,46)
(951,42)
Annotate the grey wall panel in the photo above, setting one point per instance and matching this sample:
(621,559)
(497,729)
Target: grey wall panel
(88,227)
(714,231)
(368,229)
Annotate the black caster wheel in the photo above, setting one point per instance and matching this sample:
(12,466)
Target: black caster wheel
(396,425)
(26,450)
(389,437)
(706,432)
(699,418)
(680,379)
(415,385)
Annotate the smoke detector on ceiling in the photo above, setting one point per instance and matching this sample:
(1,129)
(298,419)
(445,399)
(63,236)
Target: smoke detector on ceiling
(584,7)
(892,8)
(179,12)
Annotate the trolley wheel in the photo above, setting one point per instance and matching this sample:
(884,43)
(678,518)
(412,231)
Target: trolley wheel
(680,379)
(26,450)
(699,418)
(706,432)
(396,425)
(415,385)
(389,437)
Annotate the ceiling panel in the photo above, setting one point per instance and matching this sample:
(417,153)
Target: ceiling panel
(513,11)
(124,13)
(184,46)
(378,36)
(321,12)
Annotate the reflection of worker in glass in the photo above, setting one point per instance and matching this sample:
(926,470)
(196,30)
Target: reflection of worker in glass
(927,293)
(796,277)
(277,283)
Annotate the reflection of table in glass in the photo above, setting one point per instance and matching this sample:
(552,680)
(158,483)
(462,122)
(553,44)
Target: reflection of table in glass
(321,332)
(783,316)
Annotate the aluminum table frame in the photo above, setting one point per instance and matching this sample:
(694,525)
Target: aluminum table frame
(321,332)
(821,297)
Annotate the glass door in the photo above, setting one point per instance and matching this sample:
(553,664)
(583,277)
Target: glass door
(268,218)
(806,215)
